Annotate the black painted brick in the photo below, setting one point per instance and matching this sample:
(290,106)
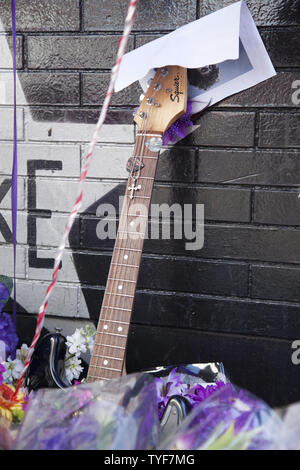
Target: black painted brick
(274,282)
(209,313)
(80,115)
(183,275)
(50,88)
(264,12)
(142,39)
(229,129)
(221,204)
(251,243)
(95,85)
(277,207)
(277,92)
(176,164)
(73,52)
(227,204)
(109,15)
(279,245)
(275,167)
(283,46)
(43,15)
(279,130)
(251,363)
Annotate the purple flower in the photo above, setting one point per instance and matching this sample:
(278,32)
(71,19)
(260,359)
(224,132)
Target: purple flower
(198,392)
(178,128)
(8,334)
(173,386)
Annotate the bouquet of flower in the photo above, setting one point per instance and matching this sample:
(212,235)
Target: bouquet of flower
(117,414)
(227,419)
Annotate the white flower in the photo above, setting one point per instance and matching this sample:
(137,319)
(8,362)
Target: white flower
(21,353)
(12,369)
(73,368)
(76,342)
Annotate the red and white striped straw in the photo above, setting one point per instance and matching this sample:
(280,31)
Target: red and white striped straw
(71,218)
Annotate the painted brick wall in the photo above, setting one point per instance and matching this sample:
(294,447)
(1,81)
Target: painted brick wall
(237,299)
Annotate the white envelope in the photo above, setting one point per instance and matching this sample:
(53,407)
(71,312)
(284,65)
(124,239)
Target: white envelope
(227,38)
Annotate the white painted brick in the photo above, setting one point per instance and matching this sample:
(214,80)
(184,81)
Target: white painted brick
(60,195)
(5,203)
(21,226)
(109,162)
(6,123)
(7,87)
(6,256)
(62,302)
(6,61)
(66,274)
(77,132)
(50,231)
(5,53)
(69,155)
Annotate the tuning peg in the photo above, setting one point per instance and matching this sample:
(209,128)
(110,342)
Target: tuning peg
(142,96)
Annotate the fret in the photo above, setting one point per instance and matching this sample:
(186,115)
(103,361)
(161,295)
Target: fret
(127,265)
(106,332)
(145,134)
(149,156)
(97,377)
(138,196)
(116,279)
(122,295)
(118,308)
(109,346)
(109,357)
(106,368)
(132,233)
(115,321)
(146,177)
(127,249)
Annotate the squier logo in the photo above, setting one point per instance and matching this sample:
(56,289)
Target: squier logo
(175,95)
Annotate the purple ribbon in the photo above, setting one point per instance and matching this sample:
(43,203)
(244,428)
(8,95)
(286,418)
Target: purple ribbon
(14,178)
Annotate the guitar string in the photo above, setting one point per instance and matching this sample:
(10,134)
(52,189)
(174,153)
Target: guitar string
(138,153)
(107,313)
(107,298)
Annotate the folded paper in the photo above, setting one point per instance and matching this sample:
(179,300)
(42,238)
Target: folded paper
(223,52)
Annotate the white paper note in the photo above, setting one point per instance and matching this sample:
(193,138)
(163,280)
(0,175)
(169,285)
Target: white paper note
(225,47)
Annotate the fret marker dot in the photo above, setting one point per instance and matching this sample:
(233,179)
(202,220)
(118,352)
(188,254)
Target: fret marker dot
(120,287)
(131,223)
(105,327)
(120,328)
(125,256)
(105,362)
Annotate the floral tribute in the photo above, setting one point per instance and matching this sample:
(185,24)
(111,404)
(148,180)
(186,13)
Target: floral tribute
(98,415)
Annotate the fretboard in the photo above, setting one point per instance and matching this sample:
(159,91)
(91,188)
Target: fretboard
(108,355)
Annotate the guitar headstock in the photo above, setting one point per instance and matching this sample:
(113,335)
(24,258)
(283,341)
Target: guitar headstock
(164,101)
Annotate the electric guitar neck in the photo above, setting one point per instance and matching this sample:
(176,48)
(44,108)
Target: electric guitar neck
(163,104)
